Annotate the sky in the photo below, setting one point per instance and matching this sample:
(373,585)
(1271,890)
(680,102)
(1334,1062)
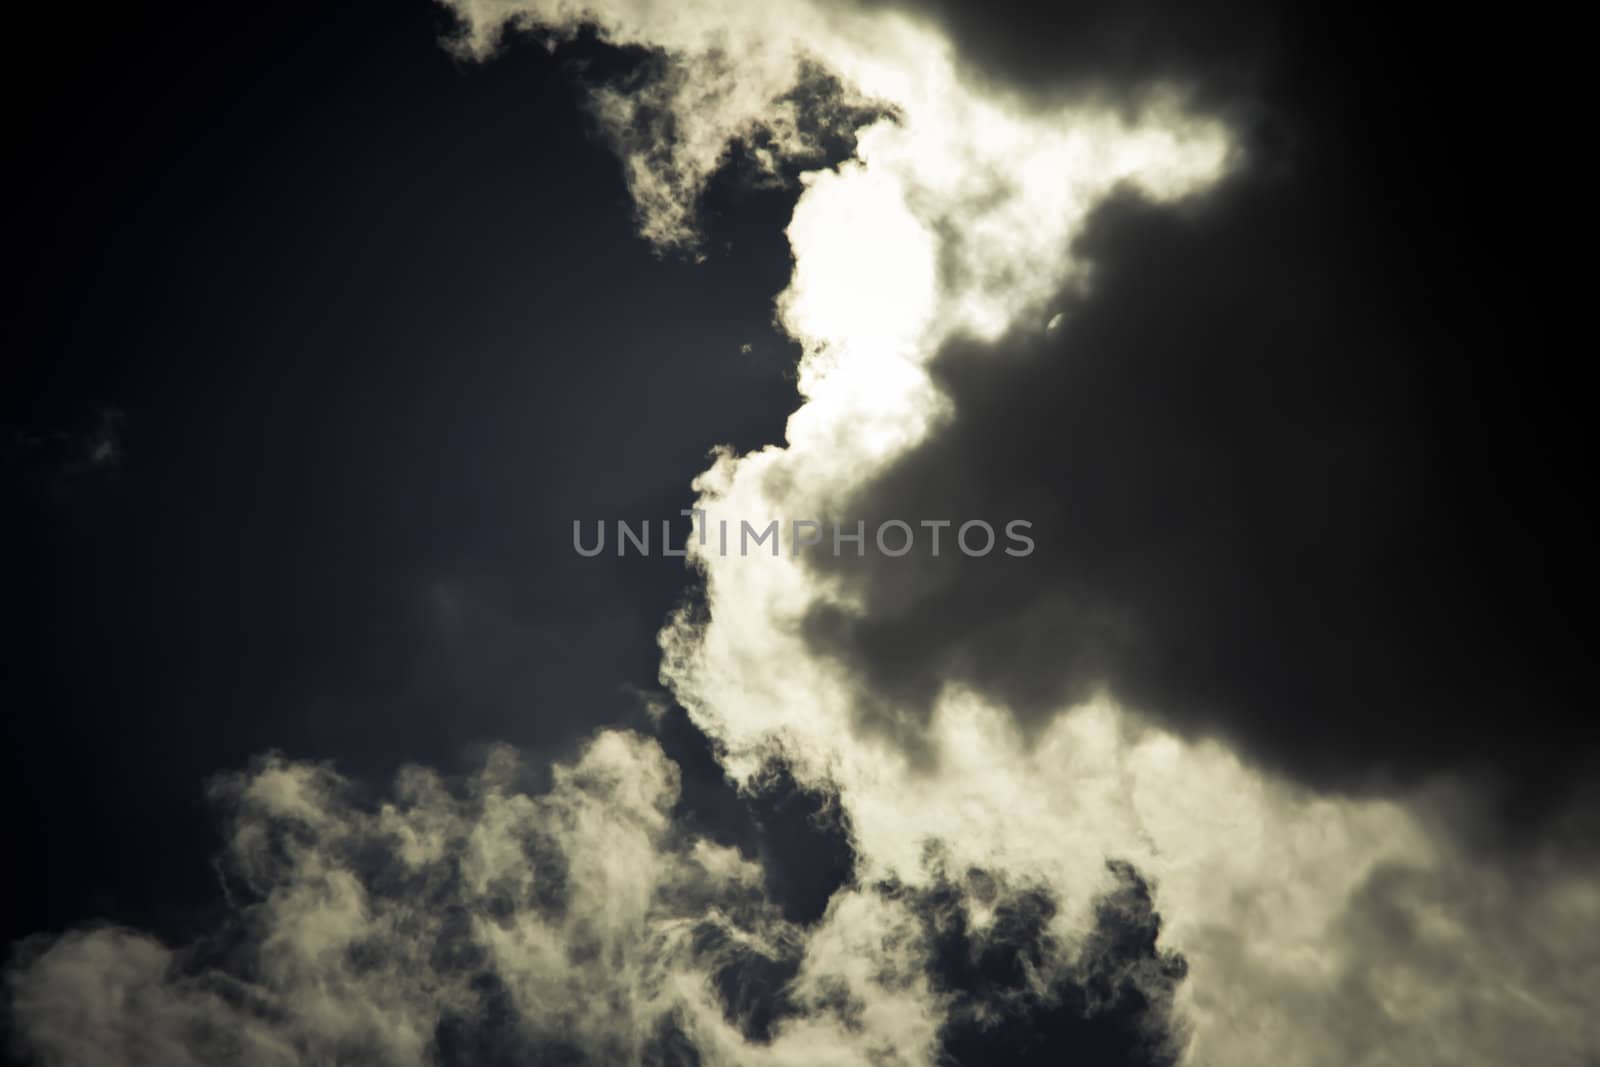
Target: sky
(326,744)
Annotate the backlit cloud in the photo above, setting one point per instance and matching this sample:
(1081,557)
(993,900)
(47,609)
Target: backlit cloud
(1006,871)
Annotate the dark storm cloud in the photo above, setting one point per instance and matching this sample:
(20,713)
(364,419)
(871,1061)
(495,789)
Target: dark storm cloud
(1302,460)
(1011,1002)
(1111,48)
(800,834)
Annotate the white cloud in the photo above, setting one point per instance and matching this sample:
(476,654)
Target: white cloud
(367,927)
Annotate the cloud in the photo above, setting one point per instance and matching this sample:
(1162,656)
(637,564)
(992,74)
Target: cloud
(968,812)
(1017,999)
(1043,53)
(1128,312)
(1260,513)
(715,76)
(365,931)
(451,922)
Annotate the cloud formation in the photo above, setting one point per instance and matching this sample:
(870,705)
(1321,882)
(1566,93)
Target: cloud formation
(478,921)
(975,813)
(1253,520)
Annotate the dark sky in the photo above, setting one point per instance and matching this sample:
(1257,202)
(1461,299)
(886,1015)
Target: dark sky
(353,312)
